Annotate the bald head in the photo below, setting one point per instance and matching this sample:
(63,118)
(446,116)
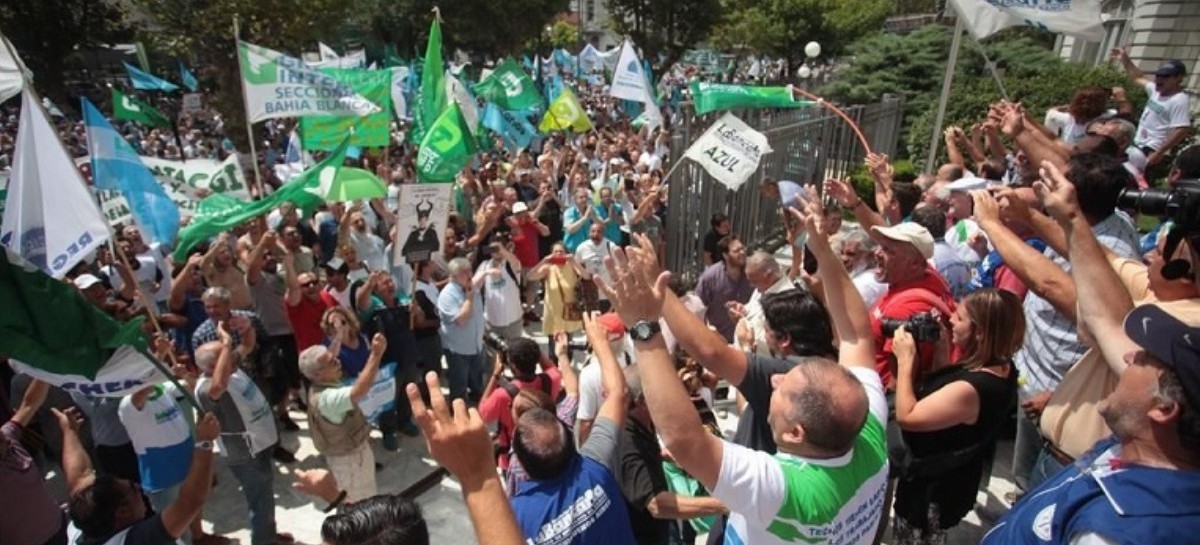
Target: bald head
(825,401)
(542,444)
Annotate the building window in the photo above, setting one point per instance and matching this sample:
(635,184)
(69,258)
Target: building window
(591,11)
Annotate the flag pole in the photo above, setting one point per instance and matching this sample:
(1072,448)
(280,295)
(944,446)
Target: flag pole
(947,82)
(237,39)
(146,302)
(828,105)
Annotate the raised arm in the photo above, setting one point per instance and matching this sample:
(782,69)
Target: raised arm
(293,293)
(611,377)
(178,516)
(856,345)
(570,379)
(951,137)
(76,465)
(1103,299)
(35,396)
(638,294)
(460,443)
(362,385)
(225,366)
(183,283)
(1136,74)
(255,264)
(1041,275)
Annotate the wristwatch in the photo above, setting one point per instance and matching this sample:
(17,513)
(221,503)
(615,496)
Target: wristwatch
(206,446)
(644,330)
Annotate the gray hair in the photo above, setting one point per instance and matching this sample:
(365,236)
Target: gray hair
(1125,129)
(764,262)
(310,360)
(457,265)
(216,293)
(633,383)
(206,356)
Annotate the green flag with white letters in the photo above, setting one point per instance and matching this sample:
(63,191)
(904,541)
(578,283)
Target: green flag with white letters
(326,132)
(127,108)
(446,148)
(709,97)
(509,87)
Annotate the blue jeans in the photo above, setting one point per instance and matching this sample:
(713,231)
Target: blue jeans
(1025,452)
(1044,468)
(465,371)
(257,478)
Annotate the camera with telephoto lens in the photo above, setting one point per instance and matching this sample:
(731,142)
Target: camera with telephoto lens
(495,342)
(1178,204)
(924,327)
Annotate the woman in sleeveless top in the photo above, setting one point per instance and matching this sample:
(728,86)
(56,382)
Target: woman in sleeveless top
(561,277)
(951,416)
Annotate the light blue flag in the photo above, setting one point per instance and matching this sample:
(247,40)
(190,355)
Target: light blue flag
(144,81)
(554,87)
(515,127)
(116,166)
(188,79)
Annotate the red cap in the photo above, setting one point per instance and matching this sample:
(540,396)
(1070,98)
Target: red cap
(612,323)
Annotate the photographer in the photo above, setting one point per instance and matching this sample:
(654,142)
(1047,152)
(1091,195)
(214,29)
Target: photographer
(523,357)
(950,418)
(501,274)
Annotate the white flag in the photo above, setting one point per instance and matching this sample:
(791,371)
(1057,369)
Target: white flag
(12,71)
(729,150)
(630,83)
(1075,17)
(467,105)
(277,85)
(399,82)
(125,372)
(327,53)
(50,217)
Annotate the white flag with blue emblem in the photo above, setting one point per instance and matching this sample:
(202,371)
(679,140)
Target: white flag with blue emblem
(630,82)
(50,218)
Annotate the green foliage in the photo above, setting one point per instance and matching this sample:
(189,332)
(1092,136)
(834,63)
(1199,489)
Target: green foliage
(482,27)
(667,28)
(47,33)
(564,35)
(782,27)
(913,65)
(864,185)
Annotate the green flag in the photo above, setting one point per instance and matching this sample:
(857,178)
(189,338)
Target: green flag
(446,148)
(218,213)
(48,325)
(128,108)
(431,95)
(325,132)
(509,87)
(709,97)
(565,113)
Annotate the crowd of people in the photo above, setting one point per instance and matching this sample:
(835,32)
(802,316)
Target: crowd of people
(874,375)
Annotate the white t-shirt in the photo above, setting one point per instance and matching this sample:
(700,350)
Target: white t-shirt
(591,256)
(1160,117)
(835,501)
(501,294)
(370,248)
(869,287)
(591,384)
(1068,129)
(160,435)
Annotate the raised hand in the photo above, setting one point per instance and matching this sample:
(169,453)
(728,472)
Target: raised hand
(635,294)
(208,428)
(841,192)
(69,420)
(378,344)
(459,442)
(1057,193)
(987,210)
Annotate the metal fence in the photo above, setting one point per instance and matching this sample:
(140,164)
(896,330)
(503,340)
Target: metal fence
(809,145)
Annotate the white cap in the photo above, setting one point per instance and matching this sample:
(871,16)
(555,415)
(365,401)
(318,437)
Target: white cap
(85,281)
(968,183)
(335,264)
(520,207)
(909,232)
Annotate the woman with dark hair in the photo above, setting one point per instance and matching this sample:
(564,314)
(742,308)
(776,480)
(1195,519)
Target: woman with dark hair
(950,419)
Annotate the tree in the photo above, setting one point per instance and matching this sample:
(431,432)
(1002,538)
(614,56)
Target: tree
(564,35)
(912,65)
(664,28)
(781,28)
(478,27)
(47,32)
(202,30)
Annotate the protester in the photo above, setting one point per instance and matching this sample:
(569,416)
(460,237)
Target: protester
(460,310)
(1166,120)
(724,283)
(32,517)
(560,275)
(838,437)
(339,428)
(523,357)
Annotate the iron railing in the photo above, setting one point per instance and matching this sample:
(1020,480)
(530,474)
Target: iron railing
(808,145)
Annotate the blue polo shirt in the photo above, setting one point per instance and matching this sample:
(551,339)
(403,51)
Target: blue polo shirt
(465,339)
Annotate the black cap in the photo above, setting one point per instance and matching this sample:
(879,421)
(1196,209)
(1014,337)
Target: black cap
(1172,342)
(1171,68)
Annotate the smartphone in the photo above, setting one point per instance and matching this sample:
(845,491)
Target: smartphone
(558,260)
